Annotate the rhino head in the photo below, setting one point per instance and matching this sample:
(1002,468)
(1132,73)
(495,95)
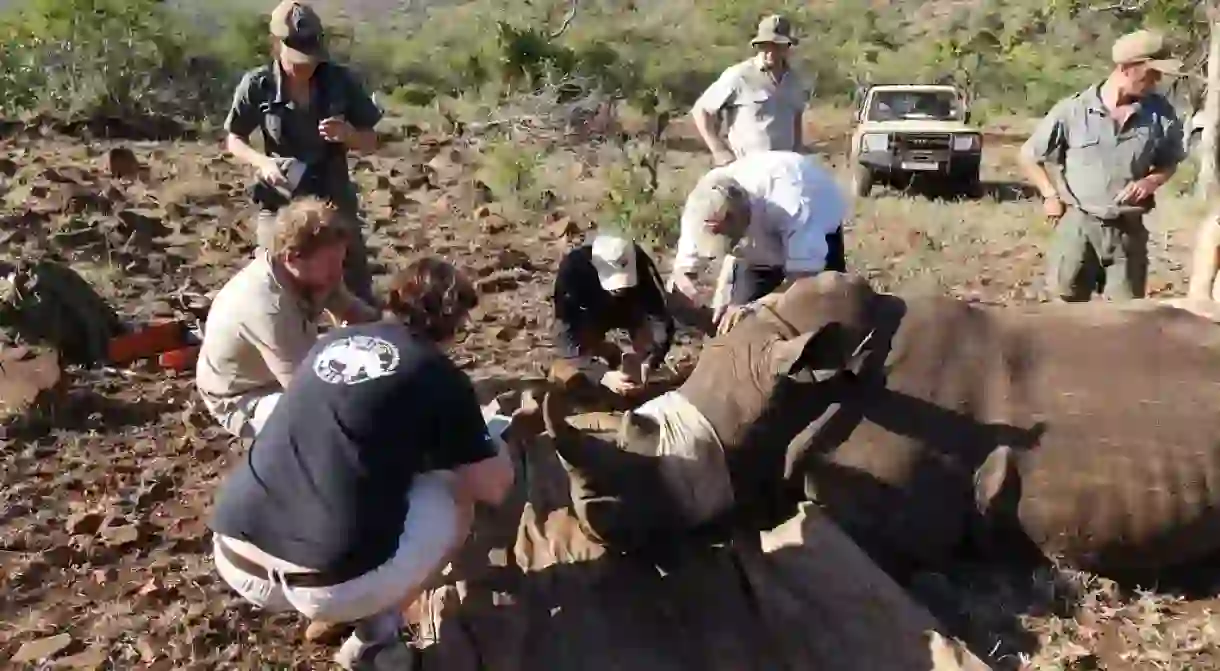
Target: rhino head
(814,332)
(617,487)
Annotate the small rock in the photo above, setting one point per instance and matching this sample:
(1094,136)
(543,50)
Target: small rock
(93,658)
(496,284)
(8,167)
(502,333)
(513,258)
(493,224)
(85,523)
(482,212)
(563,228)
(42,648)
(121,163)
(121,535)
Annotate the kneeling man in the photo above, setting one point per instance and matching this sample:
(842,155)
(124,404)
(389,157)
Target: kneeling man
(361,486)
(610,283)
(264,319)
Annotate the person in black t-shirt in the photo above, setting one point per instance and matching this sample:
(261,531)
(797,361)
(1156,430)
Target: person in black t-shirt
(362,483)
(608,284)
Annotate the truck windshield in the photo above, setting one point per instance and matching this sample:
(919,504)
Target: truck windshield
(892,105)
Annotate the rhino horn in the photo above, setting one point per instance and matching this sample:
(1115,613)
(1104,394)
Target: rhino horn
(555,410)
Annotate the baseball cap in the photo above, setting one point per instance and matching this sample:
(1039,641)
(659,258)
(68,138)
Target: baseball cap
(710,200)
(1145,46)
(614,259)
(299,29)
(774,29)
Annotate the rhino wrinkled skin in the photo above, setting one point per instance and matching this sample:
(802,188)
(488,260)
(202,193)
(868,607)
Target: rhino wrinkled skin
(1083,431)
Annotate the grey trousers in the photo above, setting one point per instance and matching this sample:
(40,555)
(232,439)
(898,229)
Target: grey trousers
(357,272)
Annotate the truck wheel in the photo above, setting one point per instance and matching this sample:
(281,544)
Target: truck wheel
(862,180)
(972,187)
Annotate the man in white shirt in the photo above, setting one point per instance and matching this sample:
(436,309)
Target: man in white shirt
(774,216)
(761,100)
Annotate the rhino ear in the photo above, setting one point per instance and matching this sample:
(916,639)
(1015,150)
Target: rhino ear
(996,481)
(815,356)
(638,433)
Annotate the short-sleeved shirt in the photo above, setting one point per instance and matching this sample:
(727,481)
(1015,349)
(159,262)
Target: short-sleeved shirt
(262,102)
(761,113)
(1098,158)
(325,483)
(794,204)
(257,332)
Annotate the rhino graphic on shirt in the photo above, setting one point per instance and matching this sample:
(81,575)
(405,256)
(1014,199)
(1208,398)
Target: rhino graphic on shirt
(356,359)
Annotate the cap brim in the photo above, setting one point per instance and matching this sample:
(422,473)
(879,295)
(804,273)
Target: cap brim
(1167,66)
(774,39)
(617,281)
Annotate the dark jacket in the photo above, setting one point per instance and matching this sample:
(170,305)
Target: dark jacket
(584,311)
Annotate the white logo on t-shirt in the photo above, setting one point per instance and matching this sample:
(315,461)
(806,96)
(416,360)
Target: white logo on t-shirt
(356,359)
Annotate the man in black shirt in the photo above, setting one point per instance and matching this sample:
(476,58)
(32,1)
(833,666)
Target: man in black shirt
(607,284)
(362,482)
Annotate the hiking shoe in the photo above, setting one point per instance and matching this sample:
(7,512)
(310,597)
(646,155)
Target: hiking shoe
(356,655)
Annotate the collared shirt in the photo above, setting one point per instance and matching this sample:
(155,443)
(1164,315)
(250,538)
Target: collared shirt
(761,113)
(289,130)
(1098,156)
(257,332)
(794,204)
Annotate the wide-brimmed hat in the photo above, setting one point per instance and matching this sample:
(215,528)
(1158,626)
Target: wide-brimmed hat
(299,29)
(1148,47)
(774,29)
(614,259)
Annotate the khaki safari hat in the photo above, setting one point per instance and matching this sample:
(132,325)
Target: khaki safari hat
(1146,46)
(299,29)
(614,259)
(712,200)
(774,29)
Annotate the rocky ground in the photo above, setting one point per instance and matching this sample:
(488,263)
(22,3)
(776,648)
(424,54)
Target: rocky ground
(103,545)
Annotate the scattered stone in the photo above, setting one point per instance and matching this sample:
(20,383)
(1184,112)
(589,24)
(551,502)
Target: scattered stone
(121,535)
(94,658)
(493,225)
(513,258)
(8,167)
(563,228)
(502,333)
(85,523)
(42,648)
(122,163)
(497,284)
(28,382)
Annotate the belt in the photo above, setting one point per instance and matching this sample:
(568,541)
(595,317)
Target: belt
(306,580)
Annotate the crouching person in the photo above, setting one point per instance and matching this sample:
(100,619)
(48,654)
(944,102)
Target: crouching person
(609,284)
(362,484)
(264,320)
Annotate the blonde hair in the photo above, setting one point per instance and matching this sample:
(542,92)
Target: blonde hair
(306,225)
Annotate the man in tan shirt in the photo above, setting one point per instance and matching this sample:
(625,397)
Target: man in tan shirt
(761,99)
(264,320)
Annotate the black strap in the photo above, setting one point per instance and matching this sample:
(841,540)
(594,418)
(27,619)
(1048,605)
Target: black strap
(247,565)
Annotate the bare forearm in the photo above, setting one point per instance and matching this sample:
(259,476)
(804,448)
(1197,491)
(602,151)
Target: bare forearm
(705,123)
(1036,173)
(242,151)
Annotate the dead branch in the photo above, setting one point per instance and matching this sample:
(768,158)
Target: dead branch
(567,20)
(1123,6)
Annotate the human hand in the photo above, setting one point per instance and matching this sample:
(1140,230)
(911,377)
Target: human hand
(335,129)
(730,316)
(618,382)
(1053,207)
(269,171)
(1137,192)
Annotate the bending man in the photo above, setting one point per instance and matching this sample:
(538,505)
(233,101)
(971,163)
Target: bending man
(773,216)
